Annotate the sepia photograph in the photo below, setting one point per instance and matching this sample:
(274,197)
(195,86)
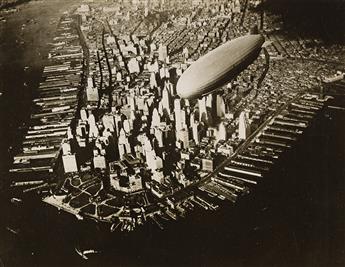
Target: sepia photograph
(172,133)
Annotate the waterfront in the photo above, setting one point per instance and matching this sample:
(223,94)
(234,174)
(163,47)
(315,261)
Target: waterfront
(22,47)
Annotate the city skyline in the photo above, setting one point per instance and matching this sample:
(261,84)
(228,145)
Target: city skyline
(145,112)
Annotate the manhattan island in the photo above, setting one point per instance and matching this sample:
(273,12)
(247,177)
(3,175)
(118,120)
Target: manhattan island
(116,136)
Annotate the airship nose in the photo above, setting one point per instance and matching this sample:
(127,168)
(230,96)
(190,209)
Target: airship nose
(184,88)
(181,92)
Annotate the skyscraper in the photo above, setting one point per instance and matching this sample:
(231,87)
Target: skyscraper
(243,126)
(209,99)
(159,136)
(109,122)
(163,52)
(91,91)
(153,80)
(177,111)
(184,118)
(183,136)
(156,120)
(93,131)
(133,66)
(202,108)
(166,100)
(195,129)
(123,144)
(220,106)
(70,163)
(222,132)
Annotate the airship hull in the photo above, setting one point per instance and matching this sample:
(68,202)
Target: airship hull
(219,66)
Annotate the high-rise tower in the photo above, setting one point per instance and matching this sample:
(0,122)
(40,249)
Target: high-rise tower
(243,126)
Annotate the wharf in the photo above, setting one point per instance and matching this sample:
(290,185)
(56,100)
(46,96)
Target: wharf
(55,104)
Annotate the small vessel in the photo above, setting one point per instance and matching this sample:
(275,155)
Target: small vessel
(90,251)
(114,226)
(15,200)
(84,253)
(12,230)
(80,253)
(79,217)
(158,223)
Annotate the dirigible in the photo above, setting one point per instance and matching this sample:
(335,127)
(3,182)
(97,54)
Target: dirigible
(219,66)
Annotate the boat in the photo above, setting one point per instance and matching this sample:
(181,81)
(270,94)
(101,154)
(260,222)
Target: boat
(79,217)
(80,253)
(15,200)
(84,253)
(12,230)
(160,225)
(114,226)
